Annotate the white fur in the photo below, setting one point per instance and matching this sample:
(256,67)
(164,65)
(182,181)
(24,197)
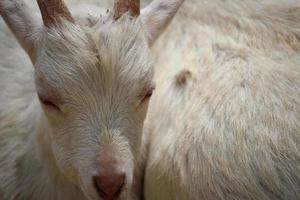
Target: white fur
(224,121)
(97,72)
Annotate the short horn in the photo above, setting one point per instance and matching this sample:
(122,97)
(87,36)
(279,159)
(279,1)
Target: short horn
(123,6)
(53,10)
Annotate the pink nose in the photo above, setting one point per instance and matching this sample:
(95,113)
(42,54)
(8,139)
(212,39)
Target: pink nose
(109,183)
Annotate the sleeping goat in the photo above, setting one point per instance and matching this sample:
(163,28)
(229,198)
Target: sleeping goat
(224,120)
(71,116)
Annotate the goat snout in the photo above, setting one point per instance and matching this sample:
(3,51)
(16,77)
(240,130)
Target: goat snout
(109,182)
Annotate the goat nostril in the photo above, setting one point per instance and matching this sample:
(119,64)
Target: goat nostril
(109,185)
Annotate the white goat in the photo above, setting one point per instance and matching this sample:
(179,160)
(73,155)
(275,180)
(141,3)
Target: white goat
(224,120)
(82,138)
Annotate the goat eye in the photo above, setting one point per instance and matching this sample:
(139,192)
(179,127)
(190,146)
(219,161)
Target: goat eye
(48,103)
(148,94)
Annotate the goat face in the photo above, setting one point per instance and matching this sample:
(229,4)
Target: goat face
(94,85)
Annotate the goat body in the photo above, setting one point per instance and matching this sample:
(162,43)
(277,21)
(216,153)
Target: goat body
(224,121)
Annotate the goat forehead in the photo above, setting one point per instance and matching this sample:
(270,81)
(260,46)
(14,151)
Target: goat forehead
(81,57)
(112,41)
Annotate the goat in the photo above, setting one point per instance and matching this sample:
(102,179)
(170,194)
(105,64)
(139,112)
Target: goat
(224,120)
(71,116)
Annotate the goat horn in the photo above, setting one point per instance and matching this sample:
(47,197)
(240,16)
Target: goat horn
(53,10)
(123,6)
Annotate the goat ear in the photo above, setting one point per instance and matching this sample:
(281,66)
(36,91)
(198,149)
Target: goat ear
(156,17)
(22,22)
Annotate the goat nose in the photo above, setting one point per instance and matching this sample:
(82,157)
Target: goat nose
(109,183)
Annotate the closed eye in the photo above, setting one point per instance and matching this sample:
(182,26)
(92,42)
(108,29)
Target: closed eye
(48,103)
(148,94)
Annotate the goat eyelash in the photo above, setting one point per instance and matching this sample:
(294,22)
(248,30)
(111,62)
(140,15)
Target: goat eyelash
(48,103)
(148,94)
